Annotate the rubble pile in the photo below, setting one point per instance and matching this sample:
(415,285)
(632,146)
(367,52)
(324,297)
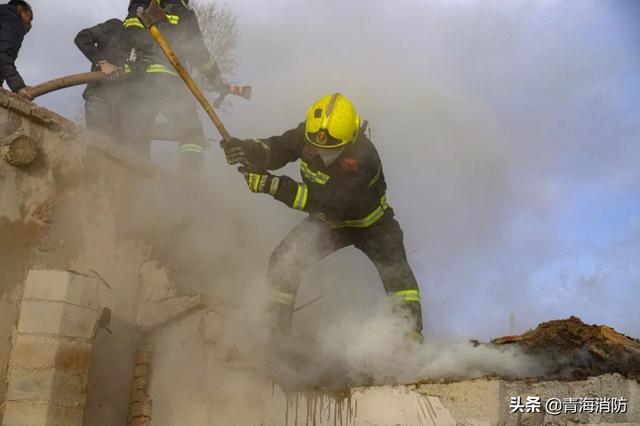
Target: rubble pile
(571,349)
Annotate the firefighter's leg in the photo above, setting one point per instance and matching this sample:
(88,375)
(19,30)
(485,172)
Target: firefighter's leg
(97,112)
(383,244)
(183,114)
(141,101)
(305,245)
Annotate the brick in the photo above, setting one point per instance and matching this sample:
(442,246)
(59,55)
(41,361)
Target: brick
(42,352)
(140,421)
(139,395)
(20,106)
(42,114)
(47,385)
(140,409)
(56,318)
(140,383)
(141,371)
(62,286)
(26,413)
(144,357)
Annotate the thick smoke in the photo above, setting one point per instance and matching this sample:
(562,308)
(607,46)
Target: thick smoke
(507,130)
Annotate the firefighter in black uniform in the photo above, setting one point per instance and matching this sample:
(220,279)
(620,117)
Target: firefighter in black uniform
(157,88)
(15,23)
(344,191)
(103,45)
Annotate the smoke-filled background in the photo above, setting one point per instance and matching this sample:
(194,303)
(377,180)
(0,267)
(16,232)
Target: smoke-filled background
(508,131)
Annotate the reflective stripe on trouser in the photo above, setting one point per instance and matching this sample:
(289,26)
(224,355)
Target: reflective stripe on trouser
(282,298)
(312,240)
(191,148)
(404,296)
(280,310)
(406,304)
(191,158)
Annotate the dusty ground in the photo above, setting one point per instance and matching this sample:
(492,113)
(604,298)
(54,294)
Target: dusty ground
(575,350)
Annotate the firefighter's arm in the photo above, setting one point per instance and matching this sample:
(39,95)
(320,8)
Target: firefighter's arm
(89,40)
(9,47)
(266,154)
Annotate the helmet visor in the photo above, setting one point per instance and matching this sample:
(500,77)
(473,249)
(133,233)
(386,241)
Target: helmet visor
(323,139)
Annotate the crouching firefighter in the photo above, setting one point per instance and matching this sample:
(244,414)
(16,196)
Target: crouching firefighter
(344,191)
(154,86)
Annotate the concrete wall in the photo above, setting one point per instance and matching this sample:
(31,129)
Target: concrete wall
(193,382)
(65,218)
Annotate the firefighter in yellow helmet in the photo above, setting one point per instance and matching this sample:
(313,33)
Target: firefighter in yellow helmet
(343,190)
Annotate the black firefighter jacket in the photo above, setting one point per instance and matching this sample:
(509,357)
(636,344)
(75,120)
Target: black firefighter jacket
(350,192)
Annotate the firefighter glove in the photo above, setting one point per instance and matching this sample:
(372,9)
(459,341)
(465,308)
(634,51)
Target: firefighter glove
(261,182)
(234,151)
(245,152)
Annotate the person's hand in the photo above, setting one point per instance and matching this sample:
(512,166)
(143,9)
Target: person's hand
(234,150)
(111,71)
(262,182)
(26,93)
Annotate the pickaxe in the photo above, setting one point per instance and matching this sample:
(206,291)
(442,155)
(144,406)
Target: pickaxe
(150,18)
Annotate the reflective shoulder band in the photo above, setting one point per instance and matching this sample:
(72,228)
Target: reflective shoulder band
(132,23)
(173,19)
(406,296)
(282,298)
(190,147)
(302,195)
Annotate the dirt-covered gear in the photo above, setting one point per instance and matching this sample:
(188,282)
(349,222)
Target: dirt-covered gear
(349,192)
(312,240)
(150,95)
(332,122)
(347,205)
(12,32)
(182,32)
(245,152)
(234,151)
(265,183)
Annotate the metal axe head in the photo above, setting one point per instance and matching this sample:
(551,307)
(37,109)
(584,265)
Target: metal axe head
(245,92)
(152,15)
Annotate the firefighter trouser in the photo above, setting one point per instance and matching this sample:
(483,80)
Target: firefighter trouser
(313,240)
(102,112)
(152,94)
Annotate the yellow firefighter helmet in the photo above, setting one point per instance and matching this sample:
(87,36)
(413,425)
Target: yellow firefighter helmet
(332,122)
